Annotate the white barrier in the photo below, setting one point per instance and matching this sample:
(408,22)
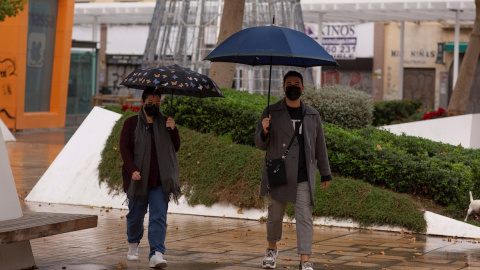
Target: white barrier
(72,178)
(455,130)
(9,203)
(7,135)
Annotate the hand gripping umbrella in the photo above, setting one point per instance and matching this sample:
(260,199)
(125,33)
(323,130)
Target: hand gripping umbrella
(271,45)
(174,80)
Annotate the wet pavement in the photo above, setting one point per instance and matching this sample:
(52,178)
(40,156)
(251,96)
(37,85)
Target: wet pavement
(200,242)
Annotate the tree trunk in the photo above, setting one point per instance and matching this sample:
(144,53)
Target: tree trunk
(459,101)
(232,20)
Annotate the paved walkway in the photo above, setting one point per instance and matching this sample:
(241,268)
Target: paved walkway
(199,242)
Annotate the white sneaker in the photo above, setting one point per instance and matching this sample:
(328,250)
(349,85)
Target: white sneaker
(132,254)
(269,260)
(157,260)
(306,265)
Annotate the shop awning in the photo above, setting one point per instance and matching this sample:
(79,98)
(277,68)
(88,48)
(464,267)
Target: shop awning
(462,46)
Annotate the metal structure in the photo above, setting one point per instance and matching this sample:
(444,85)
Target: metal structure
(184,32)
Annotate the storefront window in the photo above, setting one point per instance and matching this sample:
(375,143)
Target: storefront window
(42,23)
(81,83)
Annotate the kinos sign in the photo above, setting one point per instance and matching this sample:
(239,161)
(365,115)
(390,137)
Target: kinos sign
(340,40)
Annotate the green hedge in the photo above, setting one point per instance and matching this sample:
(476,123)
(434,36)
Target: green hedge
(341,105)
(213,169)
(110,167)
(366,204)
(395,111)
(406,164)
(234,116)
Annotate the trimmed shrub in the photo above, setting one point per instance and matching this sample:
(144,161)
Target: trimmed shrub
(234,116)
(213,169)
(110,167)
(406,164)
(341,105)
(366,204)
(395,111)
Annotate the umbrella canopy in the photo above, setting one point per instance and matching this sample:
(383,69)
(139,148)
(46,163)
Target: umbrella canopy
(175,80)
(271,45)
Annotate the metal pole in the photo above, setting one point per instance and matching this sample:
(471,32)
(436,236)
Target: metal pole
(456,50)
(319,40)
(400,61)
(269,83)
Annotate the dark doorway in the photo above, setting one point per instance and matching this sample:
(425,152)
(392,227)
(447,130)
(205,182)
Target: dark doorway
(419,83)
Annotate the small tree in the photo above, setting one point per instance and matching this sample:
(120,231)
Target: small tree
(461,91)
(10,8)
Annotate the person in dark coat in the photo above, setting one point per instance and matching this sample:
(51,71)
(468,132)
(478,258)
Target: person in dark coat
(148,145)
(287,118)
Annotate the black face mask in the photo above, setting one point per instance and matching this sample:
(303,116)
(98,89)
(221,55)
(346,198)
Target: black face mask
(293,92)
(151,109)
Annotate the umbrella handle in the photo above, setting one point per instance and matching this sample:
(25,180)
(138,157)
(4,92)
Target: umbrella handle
(171,110)
(269,83)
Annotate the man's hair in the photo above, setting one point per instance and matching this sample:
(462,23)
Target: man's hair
(292,73)
(150,91)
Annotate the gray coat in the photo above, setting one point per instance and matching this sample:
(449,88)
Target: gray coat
(279,136)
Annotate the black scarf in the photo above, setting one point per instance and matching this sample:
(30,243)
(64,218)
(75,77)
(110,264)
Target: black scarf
(167,159)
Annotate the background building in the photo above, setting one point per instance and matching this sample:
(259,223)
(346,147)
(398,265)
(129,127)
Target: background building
(390,49)
(34,64)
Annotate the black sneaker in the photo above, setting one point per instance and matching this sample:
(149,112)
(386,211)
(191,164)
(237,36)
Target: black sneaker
(269,260)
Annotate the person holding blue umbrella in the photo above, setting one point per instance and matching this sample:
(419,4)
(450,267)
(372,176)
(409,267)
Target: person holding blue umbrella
(290,131)
(293,130)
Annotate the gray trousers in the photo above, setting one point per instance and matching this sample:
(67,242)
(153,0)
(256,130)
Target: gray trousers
(303,217)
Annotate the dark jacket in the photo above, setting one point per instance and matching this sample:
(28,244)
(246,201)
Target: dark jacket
(279,135)
(127,143)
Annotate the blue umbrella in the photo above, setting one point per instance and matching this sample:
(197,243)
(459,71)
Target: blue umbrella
(271,45)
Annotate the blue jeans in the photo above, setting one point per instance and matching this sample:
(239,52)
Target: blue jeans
(157,222)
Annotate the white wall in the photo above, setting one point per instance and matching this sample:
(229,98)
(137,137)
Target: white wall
(84,33)
(7,135)
(9,203)
(365,40)
(131,39)
(455,130)
(121,39)
(72,178)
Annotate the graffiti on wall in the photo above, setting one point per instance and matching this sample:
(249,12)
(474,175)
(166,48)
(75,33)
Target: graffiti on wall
(419,83)
(360,80)
(7,67)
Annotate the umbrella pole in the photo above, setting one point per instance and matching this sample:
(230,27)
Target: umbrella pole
(269,83)
(171,106)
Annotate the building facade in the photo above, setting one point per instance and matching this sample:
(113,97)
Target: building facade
(34,64)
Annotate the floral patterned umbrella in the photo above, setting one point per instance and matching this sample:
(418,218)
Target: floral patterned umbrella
(175,80)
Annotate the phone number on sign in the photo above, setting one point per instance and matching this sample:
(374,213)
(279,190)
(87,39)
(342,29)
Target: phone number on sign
(332,49)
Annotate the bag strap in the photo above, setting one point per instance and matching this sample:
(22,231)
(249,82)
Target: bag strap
(293,137)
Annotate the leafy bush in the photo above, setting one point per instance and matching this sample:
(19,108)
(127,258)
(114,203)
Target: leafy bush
(406,164)
(395,111)
(341,105)
(213,169)
(360,201)
(110,167)
(234,116)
